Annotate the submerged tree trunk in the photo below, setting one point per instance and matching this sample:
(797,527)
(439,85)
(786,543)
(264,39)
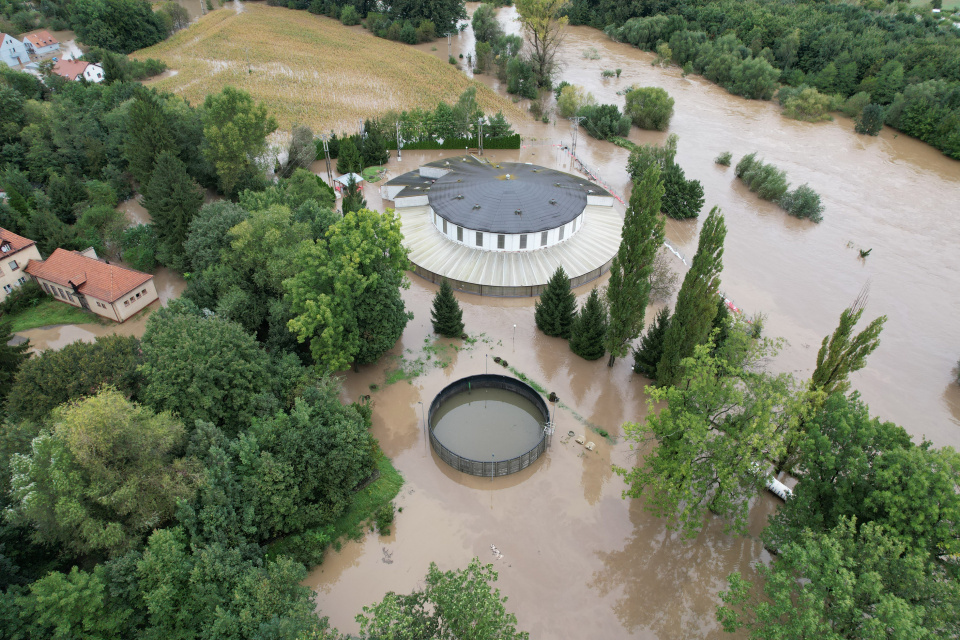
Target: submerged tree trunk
(611,360)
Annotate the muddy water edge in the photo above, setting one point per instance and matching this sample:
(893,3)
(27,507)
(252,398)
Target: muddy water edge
(578,560)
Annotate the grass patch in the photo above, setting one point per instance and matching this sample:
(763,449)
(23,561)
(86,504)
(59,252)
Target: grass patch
(52,312)
(373,174)
(433,355)
(369,501)
(338,75)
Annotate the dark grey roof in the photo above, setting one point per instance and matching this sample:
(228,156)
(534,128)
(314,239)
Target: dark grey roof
(478,195)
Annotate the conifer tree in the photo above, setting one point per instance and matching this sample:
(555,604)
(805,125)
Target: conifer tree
(557,306)
(629,288)
(647,356)
(348,157)
(173,199)
(447,317)
(353,199)
(589,329)
(697,301)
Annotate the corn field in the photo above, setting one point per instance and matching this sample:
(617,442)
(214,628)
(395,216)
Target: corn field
(309,69)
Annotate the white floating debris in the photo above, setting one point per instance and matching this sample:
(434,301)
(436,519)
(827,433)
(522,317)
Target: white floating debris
(779,489)
(580,440)
(590,446)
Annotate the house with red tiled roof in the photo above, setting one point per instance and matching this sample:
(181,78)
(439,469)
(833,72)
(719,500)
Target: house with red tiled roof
(78,70)
(40,42)
(108,290)
(16,252)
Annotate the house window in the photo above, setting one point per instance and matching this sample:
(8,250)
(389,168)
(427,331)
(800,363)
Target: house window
(13,265)
(479,239)
(523,241)
(7,288)
(138,296)
(46,288)
(543,239)
(460,234)
(62,294)
(126,303)
(501,239)
(561,232)
(444,227)
(144,292)
(69,296)
(574,226)
(21,281)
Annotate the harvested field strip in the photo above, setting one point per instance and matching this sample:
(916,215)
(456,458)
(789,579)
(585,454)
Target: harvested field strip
(309,69)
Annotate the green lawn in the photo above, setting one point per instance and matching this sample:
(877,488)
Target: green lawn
(368,500)
(51,312)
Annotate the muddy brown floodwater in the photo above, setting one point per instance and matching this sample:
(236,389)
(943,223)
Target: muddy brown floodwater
(579,561)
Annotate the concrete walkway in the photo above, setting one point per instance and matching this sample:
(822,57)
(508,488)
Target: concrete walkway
(584,256)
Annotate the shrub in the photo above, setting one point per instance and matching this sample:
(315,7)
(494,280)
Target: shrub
(604,121)
(349,16)
(607,73)
(649,108)
(855,104)
(307,548)
(724,158)
(26,296)
(572,98)
(803,202)
(870,120)
(452,60)
(805,103)
(384,518)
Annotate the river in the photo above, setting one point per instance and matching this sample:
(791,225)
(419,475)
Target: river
(579,561)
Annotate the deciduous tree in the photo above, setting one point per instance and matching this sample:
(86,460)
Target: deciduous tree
(460,605)
(649,108)
(628,290)
(235,131)
(11,358)
(105,476)
(544,27)
(333,275)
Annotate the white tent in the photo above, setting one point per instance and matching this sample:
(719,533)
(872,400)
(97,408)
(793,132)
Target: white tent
(345,178)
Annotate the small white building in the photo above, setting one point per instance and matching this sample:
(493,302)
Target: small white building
(78,70)
(41,43)
(12,51)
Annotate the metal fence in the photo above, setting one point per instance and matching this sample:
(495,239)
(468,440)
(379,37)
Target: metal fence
(478,467)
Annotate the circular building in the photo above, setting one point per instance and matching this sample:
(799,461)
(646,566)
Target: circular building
(503,228)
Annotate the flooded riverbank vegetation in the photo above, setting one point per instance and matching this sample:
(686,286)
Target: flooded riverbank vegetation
(902,57)
(770,183)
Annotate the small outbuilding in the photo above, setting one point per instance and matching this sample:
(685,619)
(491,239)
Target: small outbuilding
(41,43)
(13,51)
(82,280)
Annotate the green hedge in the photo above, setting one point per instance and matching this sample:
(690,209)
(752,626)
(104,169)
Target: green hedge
(505,142)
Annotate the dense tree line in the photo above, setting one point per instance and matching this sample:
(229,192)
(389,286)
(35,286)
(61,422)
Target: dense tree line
(69,151)
(905,61)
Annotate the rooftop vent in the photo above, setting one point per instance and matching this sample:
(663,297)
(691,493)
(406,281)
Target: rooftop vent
(459,196)
(476,206)
(552,201)
(556,184)
(517,212)
(508,176)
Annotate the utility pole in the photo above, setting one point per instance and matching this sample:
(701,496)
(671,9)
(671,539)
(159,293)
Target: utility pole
(576,128)
(449,41)
(326,152)
(480,134)
(399,142)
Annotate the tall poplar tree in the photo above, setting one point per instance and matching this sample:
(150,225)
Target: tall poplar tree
(843,353)
(173,199)
(557,306)
(629,287)
(697,301)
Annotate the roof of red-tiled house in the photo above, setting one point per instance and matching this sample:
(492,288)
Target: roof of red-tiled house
(41,39)
(93,278)
(16,242)
(70,69)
